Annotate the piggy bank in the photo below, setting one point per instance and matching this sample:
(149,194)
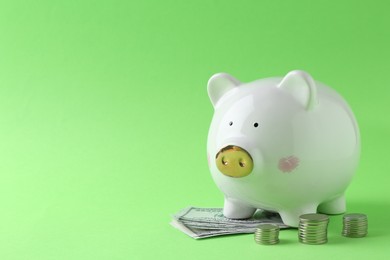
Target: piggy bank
(289,145)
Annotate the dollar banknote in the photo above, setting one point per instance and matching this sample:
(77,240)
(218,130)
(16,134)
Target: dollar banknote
(208,222)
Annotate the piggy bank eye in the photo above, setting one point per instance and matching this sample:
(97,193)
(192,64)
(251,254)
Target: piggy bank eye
(256,124)
(231,123)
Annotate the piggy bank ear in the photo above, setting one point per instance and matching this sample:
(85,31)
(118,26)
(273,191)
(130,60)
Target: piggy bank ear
(302,87)
(219,84)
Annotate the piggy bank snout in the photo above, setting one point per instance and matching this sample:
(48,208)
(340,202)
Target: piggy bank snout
(234,161)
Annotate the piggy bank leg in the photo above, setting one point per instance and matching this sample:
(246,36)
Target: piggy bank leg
(291,217)
(334,206)
(237,210)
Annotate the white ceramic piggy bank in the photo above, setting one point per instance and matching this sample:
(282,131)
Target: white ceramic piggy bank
(289,145)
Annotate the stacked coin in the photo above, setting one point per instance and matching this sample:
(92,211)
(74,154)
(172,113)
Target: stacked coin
(267,234)
(313,229)
(354,225)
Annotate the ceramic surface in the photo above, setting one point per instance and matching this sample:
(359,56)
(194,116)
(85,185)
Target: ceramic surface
(289,145)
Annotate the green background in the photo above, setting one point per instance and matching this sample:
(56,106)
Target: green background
(104,117)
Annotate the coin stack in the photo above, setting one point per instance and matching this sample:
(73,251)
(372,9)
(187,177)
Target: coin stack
(267,234)
(313,229)
(354,225)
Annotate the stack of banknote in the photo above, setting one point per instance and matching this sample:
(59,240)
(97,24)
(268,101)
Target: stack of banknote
(208,222)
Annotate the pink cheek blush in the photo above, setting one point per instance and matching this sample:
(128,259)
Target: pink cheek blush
(288,164)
